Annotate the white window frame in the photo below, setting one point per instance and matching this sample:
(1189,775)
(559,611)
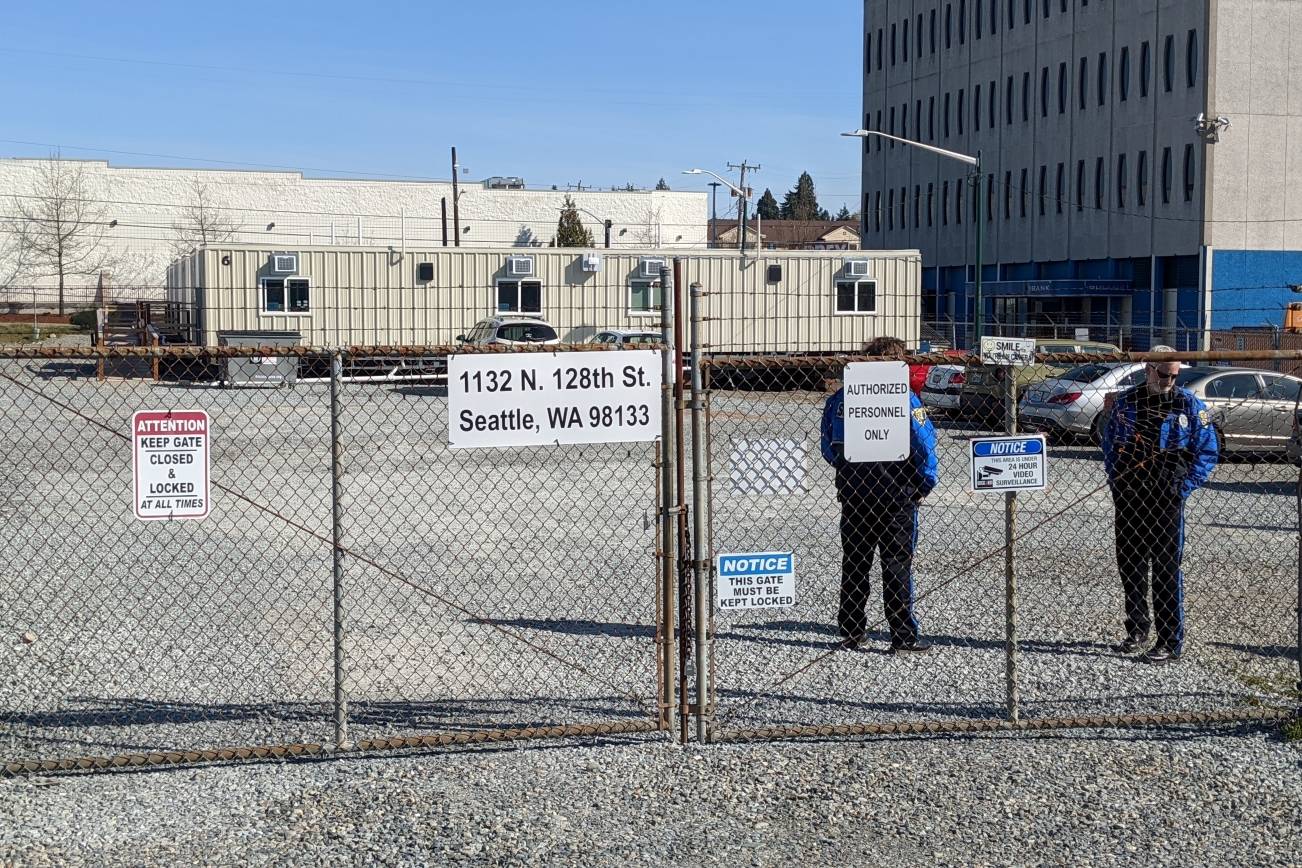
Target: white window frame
(836,291)
(262,301)
(519,285)
(655,287)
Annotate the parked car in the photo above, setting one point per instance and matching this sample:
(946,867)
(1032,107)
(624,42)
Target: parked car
(1253,411)
(942,384)
(1073,404)
(621,337)
(511,331)
(983,385)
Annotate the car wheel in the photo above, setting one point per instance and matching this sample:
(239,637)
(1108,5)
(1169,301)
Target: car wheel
(1096,429)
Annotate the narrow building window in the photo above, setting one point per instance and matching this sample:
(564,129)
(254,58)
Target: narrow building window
(1189,168)
(976,107)
(892,45)
(890,209)
(931,203)
(1168,63)
(1145,68)
(904,42)
(992,112)
(1008,195)
(1123,75)
(1044,92)
(917,205)
(879,49)
(877,212)
(1081,78)
(1141,178)
(1059,187)
(1080,185)
(944,127)
(1012,15)
(1103,78)
(931,29)
(944,203)
(1026,97)
(1043,177)
(962,22)
(1166,176)
(918,31)
(962,109)
(949,26)
(1023,193)
(1191,58)
(1062,87)
(1121,180)
(1008,102)
(931,118)
(1098,184)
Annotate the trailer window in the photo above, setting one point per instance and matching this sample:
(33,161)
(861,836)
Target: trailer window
(273,295)
(644,296)
(519,296)
(297,289)
(856,296)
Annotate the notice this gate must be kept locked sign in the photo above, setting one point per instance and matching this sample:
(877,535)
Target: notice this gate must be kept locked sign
(171,458)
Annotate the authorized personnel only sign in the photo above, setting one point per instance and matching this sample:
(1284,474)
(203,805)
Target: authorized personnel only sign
(1007,351)
(876,411)
(1013,463)
(171,463)
(759,580)
(550,399)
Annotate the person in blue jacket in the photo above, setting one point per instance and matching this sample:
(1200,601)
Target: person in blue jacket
(879,512)
(1159,447)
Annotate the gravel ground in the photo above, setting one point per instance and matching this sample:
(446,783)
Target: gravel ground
(1084,798)
(515,588)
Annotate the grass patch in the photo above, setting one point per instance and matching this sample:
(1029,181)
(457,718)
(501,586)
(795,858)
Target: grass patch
(21,333)
(1292,730)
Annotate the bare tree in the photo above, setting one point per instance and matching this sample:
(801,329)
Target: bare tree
(202,221)
(60,228)
(648,234)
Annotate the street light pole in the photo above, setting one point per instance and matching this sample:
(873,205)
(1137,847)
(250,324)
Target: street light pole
(743,193)
(975,163)
(981,218)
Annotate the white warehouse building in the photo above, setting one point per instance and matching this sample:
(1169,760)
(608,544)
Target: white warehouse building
(145,217)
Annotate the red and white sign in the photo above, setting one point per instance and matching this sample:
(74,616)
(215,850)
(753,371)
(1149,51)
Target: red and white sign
(171,463)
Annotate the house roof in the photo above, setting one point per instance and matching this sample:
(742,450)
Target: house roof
(785,231)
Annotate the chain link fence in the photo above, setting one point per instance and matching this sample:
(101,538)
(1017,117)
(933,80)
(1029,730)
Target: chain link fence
(357,584)
(1021,598)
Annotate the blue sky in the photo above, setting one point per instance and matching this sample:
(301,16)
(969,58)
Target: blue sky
(605,93)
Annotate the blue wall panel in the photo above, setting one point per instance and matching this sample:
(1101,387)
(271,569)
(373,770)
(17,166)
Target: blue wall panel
(1251,287)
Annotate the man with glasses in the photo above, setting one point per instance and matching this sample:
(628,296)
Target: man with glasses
(1159,446)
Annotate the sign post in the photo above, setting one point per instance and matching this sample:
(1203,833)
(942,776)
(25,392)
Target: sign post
(876,411)
(170,464)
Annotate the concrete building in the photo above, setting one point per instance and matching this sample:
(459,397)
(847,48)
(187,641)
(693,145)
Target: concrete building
(1105,204)
(773,302)
(148,214)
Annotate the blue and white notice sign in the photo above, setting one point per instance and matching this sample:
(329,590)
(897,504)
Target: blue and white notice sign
(757,580)
(1017,462)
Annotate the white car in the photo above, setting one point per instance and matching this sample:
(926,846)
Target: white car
(943,387)
(622,337)
(511,331)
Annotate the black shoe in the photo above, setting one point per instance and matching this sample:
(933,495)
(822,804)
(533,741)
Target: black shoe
(1132,644)
(851,642)
(1161,654)
(917,646)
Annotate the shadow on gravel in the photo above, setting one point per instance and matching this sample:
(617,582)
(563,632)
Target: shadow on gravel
(1274,652)
(772,703)
(1283,489)
(611,629)
(421,391)
(462,714)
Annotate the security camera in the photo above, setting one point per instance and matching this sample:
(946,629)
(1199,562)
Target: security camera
(1210,128)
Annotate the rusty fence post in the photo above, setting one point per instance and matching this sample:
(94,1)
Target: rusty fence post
(337,534)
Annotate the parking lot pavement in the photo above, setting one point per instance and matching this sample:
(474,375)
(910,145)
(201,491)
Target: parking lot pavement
(517,587)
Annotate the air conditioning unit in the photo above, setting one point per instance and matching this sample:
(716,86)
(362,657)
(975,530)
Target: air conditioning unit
(498,182)
(284,263)
(519,266)
(650,267)
(858,268)
(591,262)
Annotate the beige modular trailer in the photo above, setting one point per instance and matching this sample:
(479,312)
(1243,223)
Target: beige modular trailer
(772,302)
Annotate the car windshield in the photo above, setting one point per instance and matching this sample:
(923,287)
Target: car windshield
(643,338)
(1088,373)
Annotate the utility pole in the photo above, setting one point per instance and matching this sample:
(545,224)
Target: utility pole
(714,209)
(456,202)
(745,199)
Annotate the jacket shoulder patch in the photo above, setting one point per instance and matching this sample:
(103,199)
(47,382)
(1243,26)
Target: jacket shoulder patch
(920,415)
(1204,417)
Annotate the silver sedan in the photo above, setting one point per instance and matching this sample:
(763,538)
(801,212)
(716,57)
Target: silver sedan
(1253,410)
(1072,404)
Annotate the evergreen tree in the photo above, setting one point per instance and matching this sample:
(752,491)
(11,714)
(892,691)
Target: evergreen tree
(570,231)
(844,214)
(801,203)
(767,207)
(662,185)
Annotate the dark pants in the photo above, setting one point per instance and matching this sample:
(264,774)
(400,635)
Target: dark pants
(1150,533)
(892,529)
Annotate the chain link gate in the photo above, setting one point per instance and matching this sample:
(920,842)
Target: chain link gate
(1019,595)
(357,586)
